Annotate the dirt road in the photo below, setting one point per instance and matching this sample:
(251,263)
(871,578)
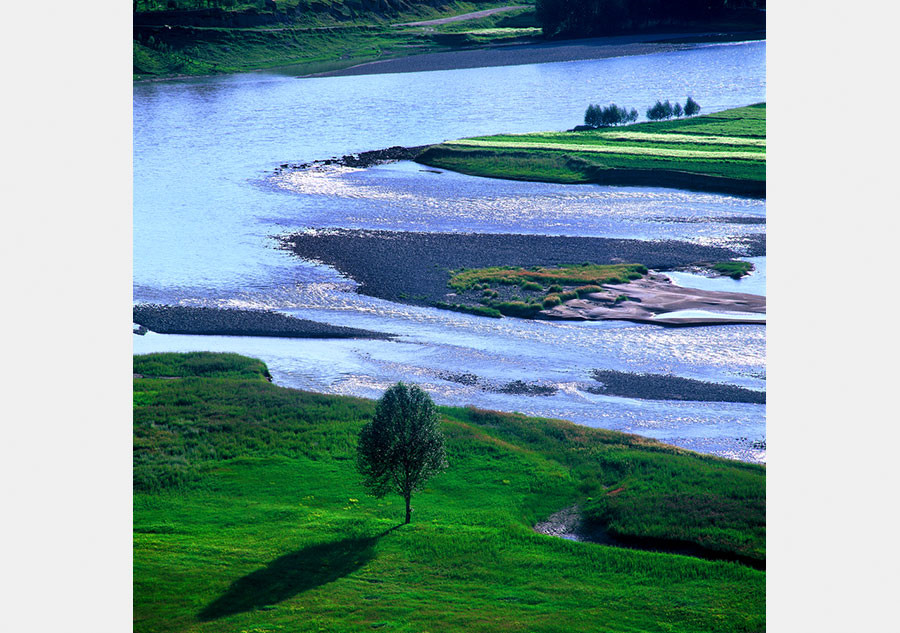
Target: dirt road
(465,16)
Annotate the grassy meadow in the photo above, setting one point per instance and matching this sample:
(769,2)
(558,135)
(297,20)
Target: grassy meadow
(249,516)
(721,151)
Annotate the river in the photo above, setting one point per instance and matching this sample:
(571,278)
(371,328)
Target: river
(208,205)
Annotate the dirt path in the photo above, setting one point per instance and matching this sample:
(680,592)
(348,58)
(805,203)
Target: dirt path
(465,16)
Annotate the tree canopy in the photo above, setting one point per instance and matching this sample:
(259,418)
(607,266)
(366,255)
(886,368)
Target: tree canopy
(582,18)
(599,116)
(402,446)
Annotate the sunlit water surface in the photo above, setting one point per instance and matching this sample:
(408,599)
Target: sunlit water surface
(207,205)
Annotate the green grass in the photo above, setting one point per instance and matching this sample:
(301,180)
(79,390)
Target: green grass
(275,533)
(535,278)
(334,37)
(734,269)
(728,147)
(200,364)
(469,309)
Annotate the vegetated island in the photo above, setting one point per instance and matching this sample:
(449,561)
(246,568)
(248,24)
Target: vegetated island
(531,276)
(174,38)
(249,514)
(724,152)
(587,291)
(166,319)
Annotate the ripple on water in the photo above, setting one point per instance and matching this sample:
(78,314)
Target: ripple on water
(401,196)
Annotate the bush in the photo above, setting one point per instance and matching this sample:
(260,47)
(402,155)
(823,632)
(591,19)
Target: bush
(581,291)
(551,301)
(734,269)
(519,309)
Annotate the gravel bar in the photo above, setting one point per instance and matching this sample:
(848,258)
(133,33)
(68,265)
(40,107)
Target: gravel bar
(660,387)
(230,322)
(413,267)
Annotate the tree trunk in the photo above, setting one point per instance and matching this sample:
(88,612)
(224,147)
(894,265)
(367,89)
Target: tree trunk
(408,509)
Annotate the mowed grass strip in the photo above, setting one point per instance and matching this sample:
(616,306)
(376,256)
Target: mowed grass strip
(684,138)
(617,149)
(274,531)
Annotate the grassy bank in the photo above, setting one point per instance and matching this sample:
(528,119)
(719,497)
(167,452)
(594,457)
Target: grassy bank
(313,36)
(725,151)
(249,515)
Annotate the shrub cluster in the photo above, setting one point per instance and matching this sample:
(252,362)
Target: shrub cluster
(734,269)
(599,116)
(661,111)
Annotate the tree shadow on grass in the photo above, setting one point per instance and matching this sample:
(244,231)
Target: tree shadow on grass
(293,574)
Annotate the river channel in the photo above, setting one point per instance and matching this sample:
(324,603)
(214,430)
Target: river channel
(209,205)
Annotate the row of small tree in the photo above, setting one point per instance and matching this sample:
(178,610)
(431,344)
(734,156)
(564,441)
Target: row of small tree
(600,116)
(662,111)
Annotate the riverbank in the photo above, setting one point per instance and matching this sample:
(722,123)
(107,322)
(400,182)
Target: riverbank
(722,153)
(248,510)
(328,41)
(541,52)
(313,36)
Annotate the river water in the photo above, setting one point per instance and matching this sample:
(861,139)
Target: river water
(208,205)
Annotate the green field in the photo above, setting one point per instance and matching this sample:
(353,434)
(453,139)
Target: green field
(324,36)
(249,516)
(725,151)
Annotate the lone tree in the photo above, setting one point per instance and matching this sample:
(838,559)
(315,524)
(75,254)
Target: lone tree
(402,447)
